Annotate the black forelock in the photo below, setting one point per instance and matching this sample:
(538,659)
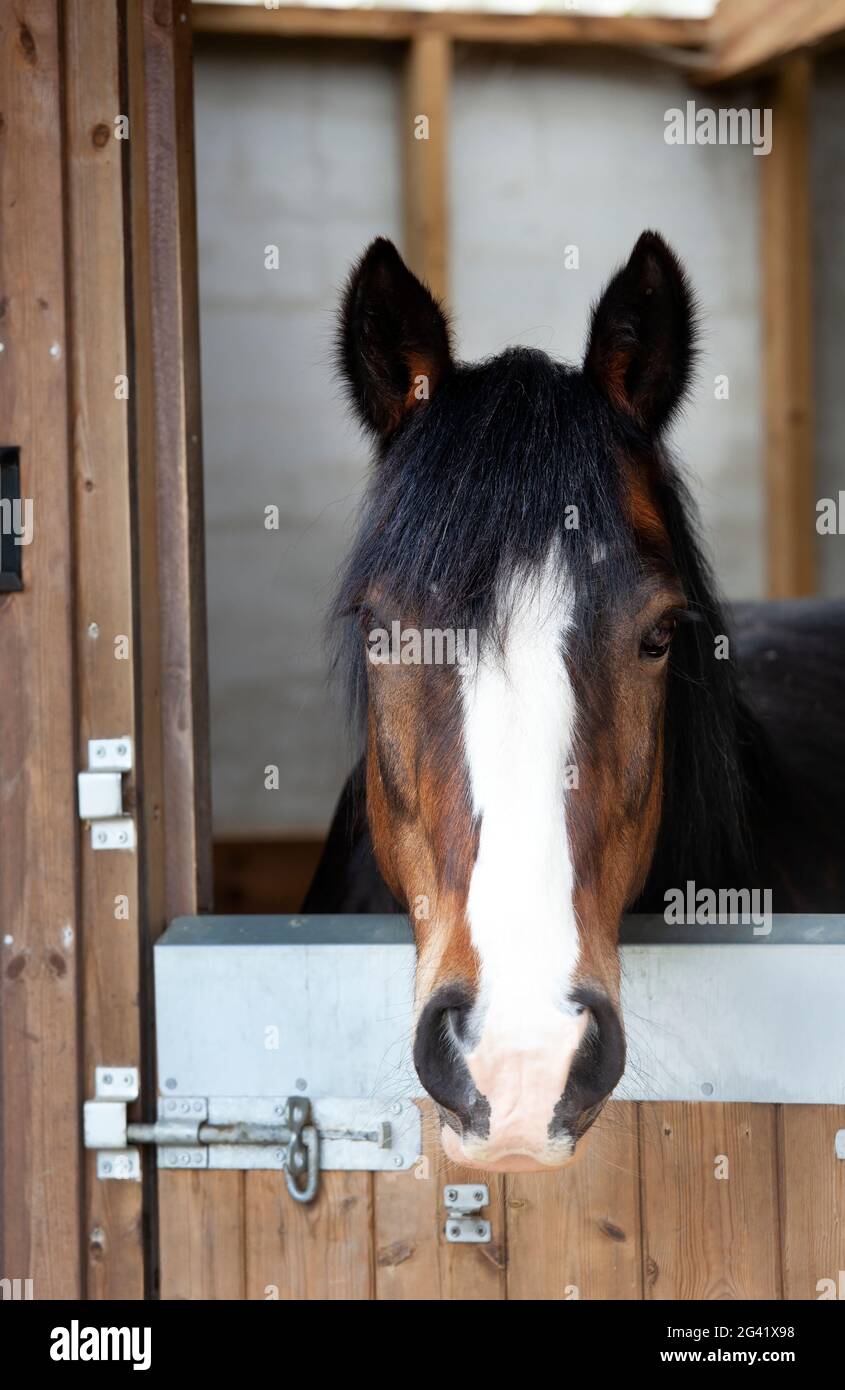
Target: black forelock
(476,486)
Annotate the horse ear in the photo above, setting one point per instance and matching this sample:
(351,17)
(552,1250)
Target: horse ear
(394,339)
(642,336)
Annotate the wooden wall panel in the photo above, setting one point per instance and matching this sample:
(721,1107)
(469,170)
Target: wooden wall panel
(576,1234)
(266,875)
(709,1237)
(812,1200)
(40,1094)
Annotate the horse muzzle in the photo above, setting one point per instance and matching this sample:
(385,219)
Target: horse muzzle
(517,1094)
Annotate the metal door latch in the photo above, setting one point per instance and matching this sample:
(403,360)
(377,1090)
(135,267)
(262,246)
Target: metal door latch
(101,793)
(464,1225)
(292,1134)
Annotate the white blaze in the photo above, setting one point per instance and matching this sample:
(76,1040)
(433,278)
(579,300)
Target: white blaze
(519,728)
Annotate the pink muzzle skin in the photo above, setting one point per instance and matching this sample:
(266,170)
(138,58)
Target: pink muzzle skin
(522,1083)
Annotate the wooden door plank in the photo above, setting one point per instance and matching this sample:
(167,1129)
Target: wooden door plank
(202,1235)
(576,1234)
(788,336)
(707,1236)
(39,1094)
(812,1201)
(322,1250)
(413,1259)
(100,389)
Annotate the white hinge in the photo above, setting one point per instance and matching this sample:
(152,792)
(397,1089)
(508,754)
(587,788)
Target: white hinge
(101,793)
(464,1224)
(105,1126)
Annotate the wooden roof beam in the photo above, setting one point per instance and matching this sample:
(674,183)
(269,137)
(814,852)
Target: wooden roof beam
(750,36)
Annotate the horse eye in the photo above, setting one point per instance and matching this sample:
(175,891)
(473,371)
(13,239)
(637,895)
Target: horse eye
(658,639)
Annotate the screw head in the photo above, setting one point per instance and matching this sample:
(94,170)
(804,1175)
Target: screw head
(278,1110)
(451,1194)
(454,1232)
(479,1196)
(479,1230)
(106,1167)
(301,1083)
(170,1083)
(397,1108)
(398,1161)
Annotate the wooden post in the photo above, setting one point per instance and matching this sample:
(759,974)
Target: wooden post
(170,498)
(200,1226)
(788,336)
(426,157)
(39,1016)
(102,395)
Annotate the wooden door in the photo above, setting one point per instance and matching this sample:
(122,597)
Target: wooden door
(677,1201)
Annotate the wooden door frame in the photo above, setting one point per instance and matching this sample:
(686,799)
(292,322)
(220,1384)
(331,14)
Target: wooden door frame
(100,392)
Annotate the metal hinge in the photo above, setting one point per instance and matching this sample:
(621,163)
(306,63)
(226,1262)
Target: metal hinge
(464,1225)
(101,793)
(293,1134)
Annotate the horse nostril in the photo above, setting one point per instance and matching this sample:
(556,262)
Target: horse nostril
(437,1053)
(598,1064)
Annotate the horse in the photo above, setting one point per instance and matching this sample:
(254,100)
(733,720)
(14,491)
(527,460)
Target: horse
(613,733)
